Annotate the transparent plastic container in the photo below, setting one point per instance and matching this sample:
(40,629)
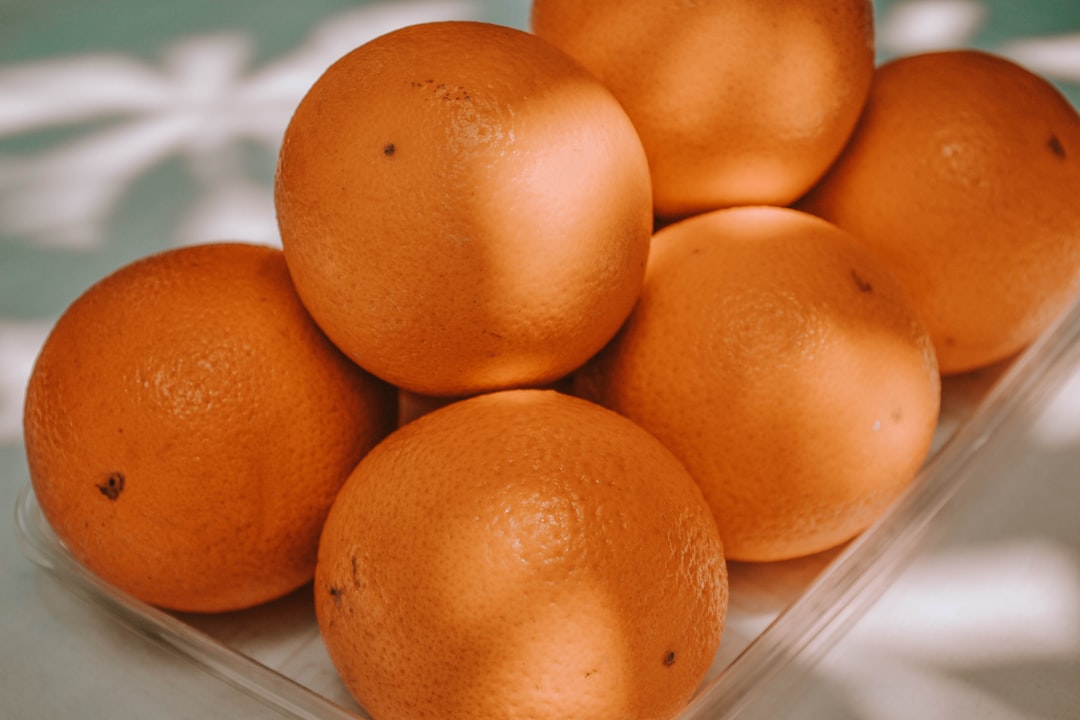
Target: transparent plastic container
(779,613)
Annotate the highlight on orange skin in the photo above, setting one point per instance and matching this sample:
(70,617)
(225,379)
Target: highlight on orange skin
(737,103)
(785,367)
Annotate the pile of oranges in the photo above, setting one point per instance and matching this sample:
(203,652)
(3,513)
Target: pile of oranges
(564,321)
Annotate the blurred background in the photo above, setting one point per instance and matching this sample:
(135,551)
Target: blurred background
(130,126)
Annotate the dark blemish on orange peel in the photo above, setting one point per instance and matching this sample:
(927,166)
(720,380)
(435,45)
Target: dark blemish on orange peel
(113,485)
(389,149)
(669,659)
(1055,146)
(860,283)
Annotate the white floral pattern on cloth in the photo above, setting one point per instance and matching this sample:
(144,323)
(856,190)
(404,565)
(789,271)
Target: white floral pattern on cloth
(924,25)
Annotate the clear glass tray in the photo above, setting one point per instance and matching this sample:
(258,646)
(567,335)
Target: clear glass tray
(779,612)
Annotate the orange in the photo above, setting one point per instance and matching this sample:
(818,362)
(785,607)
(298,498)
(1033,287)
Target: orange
(784,366)
(187,426)
(411,405)
(463,208)
(964,175)
(739,102)
(521,554)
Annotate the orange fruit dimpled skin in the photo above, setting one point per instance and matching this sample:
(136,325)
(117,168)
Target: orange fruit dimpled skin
(521,554)
(187,427)
(739,102)
(964,175)
(464,208)
(786,369)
